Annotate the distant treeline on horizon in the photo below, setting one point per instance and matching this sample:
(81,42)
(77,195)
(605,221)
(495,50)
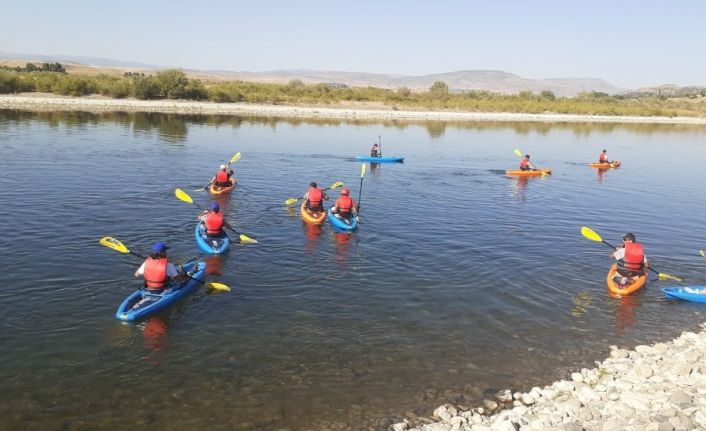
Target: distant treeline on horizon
(174,84)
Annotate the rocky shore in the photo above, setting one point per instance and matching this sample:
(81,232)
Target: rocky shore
(44,102)
(656,388)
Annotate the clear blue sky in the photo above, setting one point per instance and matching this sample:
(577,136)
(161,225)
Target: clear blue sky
(628,43)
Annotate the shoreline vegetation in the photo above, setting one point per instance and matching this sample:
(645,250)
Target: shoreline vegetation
(170,91)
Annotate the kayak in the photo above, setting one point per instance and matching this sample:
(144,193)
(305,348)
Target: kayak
(211,245)
(312,217)
(142,303)
(622,290)
(687,295)
(519,173)
(613,164)
(380,159)
(217,190)
(342,224)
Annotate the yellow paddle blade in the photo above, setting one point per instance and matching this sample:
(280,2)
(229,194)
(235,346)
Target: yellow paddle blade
(291,201)
(701,252)
(182,196)
(663,276)
(362,170)
(244,239)
(218,286)
(114,244)
(518,153)
(336,185)
(590,234)
(235,158)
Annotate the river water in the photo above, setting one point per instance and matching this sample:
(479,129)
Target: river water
(459,279)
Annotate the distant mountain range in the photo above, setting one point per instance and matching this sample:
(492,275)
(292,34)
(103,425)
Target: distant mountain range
(487,80)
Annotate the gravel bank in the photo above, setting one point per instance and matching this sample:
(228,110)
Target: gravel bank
(656,388)
(43,103)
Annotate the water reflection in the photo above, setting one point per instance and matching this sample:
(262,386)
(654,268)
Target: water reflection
(154,333)
(624,309)
(173,128)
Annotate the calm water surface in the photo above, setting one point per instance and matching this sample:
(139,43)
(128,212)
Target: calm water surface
(459,279)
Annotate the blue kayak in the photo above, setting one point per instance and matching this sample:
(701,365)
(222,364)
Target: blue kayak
(210,244)
(685,293)
(342,224)
(380,159)
(142,303)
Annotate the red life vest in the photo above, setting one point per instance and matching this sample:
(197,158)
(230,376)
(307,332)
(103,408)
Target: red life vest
(524,164)
(315,197)
(634,256)
(344,204)
(222,177)
(156,273)
(603,158)
(214,223)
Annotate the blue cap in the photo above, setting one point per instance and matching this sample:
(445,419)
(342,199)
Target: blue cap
(215,207)
(159,247)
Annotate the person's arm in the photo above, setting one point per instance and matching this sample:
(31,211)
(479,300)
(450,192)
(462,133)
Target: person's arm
(619,253)
(141,270)
(325,196)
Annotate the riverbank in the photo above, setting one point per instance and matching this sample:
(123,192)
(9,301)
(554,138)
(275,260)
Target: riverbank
(44,103)
(659,387)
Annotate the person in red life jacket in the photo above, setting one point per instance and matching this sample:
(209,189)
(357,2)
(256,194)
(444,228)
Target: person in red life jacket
(222,177)
(213,221)
(631,257)
(345,206)
(314,198)
(603,157)
(525,164)
(156,269)
(374,151)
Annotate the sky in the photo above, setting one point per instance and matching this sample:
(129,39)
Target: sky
(630,44)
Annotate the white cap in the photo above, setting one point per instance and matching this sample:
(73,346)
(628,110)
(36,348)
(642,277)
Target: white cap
(223,167)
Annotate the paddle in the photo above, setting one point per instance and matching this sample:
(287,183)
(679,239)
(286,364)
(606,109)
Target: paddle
(593,236)
(518,153)
(333,186)
(116,245)
(379,146)
(184,197)
(701,252)
(233,159)
(360,191)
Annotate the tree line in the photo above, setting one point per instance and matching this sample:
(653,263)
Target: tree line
(174,84)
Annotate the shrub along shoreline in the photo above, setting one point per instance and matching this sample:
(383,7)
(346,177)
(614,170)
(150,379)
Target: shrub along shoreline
(173,84)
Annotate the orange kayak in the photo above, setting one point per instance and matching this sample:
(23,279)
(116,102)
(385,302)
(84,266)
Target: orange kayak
(613,164)
(216,190)
(312,217)
(620,289)
(519,173)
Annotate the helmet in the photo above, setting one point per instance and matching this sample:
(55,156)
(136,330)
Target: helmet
(312,184)
(215,207)
(223,167)
(345,191)
(629,237)
(159,247)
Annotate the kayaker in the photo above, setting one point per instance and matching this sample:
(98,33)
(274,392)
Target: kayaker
(525,164)
(631,257)
(603,157)
(374,151)
(156,269)
(213,221)
(314,198)
(345,206)
(222,177)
